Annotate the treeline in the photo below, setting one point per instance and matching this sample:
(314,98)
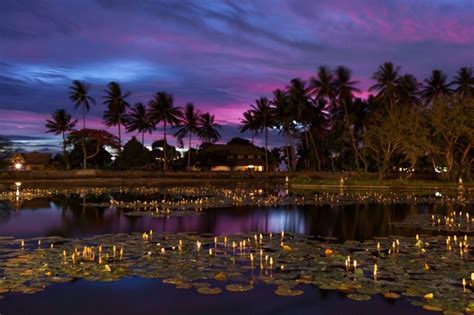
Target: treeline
(88,145)
(406,126)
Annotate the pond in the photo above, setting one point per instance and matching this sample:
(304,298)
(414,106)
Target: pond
(86,216)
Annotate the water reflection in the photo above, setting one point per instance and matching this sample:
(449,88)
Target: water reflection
(67,216)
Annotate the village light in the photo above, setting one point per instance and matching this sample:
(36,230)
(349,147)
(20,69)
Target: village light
(18,166)
(250,167)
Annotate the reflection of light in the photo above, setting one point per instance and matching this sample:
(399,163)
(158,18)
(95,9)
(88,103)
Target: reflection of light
(18,166)
(18,184)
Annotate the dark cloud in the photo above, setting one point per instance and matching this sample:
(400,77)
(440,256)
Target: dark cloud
(29,19)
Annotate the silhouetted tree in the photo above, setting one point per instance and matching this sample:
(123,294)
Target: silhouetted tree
(79,94)
(60,124)
(189,124)
(163,110)
(116,107)
(138,120)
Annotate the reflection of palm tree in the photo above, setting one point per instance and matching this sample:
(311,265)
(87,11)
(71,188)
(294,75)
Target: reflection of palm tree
(189,124)
(436,85)
(163,110)
(61,123)
(79,94)
(116,107)
(138,120)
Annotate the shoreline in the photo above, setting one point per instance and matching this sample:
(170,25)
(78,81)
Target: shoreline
(319,180)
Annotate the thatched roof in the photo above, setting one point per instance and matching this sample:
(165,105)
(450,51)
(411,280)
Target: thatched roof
(33,158)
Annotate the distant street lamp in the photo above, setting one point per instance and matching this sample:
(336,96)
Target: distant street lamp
(18,166)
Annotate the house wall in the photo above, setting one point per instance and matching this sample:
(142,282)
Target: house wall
(225,168)
(29,167)
(220,168)
(257,168)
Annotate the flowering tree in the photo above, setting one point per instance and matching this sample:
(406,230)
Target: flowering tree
(95,136)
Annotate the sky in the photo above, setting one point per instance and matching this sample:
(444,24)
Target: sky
(221,55)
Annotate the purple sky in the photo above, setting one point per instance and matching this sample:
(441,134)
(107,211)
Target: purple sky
(219,54)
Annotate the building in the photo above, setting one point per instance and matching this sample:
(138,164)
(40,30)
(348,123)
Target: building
(233,157)
(31,161)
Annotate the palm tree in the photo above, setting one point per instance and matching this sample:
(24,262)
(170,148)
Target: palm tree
(304,112)
(163,110)
(189,123)
(249,123)
(78,93)
(386,78)
(322,86)
(345,90)
(116,108)
(263,113)
(283,120)
(436,85)
(209,128)
(408,89)
(61,123)
(465,82)
(139,120)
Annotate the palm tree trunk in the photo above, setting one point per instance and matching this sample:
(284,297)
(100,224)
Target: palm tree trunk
(307,162)
(83,117)
(165,158)
(143,138)
(120,136)
(189,152)
(252,135)
(266,149)
(351,133)
(315,150)
(288,165)
(293,153)
(66,159)
(84,152)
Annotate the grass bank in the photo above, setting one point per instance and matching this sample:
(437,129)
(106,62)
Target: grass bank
(339,180)
(134,178)
(299,180)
